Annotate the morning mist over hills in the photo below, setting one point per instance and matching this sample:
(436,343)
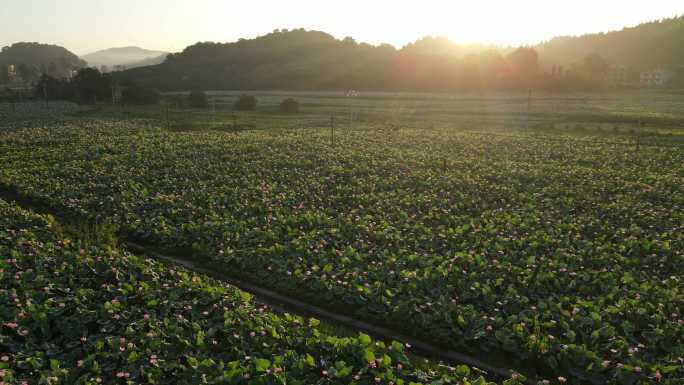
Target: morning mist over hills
(128,57)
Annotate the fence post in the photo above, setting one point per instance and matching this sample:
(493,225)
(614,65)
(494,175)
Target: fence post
(332,130)
(638,135)
(529,107)
(638,143)
(214,113)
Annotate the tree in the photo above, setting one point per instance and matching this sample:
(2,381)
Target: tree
(4,74)
(289,106)
(198,99)
(595,66)
(52,69)
(590,74)
(246,103)
(91,85)
(52,88)
(524,62)
(47,87)
(28,73)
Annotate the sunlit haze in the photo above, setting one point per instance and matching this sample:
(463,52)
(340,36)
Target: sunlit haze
(85,26)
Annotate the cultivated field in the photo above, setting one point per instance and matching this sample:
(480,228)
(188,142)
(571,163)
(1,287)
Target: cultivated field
(111,317)
(547,239)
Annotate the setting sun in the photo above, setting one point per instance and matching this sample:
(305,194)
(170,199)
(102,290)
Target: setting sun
(172,25)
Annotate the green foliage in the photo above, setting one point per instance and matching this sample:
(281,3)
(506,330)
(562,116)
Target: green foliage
(246,103)
(289,106)
(54,89)
(565,253)
(38,59)
(644,47)
(77,315)
(198,99)
(91,85)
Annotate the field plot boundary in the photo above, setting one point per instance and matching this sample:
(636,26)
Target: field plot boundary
(296,306)
(281,301)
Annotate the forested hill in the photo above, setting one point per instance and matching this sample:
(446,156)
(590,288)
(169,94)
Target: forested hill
(33,59)
(649,45)
(311,60)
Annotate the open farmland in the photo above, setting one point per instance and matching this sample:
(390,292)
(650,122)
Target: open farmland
(553,250)
(113,317)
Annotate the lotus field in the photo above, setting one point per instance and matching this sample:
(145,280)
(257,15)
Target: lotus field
(547,254)
(32,110)
(115,318)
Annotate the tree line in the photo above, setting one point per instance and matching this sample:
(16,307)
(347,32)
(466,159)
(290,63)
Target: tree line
(312,60)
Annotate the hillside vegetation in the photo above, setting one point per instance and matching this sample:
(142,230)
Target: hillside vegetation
(649,45)
(33,59)
(312,60)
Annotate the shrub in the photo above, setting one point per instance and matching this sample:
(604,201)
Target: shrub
(289,106)
(246,103)
(198,99)
(139,95)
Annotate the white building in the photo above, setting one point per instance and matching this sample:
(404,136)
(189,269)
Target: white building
(656,77)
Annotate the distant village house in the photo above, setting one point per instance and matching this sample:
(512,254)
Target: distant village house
(655,78)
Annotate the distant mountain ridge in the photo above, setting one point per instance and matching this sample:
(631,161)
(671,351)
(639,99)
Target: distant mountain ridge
(129,57)
(313,60)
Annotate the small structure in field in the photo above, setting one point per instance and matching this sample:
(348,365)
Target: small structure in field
(656,78)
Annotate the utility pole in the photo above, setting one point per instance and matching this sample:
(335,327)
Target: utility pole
(638,134)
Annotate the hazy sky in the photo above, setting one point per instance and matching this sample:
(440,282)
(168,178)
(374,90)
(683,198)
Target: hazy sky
(84,26)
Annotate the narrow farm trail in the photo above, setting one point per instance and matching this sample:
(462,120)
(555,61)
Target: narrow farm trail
(284,303)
